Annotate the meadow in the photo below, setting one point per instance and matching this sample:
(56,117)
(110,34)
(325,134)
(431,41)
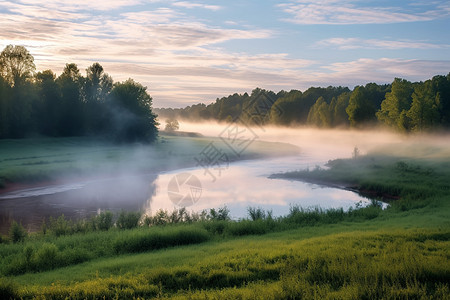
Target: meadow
(401,252)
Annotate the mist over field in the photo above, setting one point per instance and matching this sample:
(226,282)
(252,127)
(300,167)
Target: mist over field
(326,144)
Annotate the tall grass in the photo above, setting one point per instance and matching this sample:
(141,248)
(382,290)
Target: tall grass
(146,240)
(357,265)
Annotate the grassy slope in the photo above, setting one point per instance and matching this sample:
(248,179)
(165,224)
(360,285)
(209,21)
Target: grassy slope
(345,260)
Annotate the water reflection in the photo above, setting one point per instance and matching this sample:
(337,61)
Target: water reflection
(243,184)
(75,201)
(246,184)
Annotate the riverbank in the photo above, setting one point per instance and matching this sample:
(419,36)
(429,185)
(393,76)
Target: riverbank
(386,178)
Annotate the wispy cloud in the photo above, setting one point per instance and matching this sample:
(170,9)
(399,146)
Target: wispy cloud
(84,5)
(187,4)
(358,43)
(185,58)
(352,12)
(364,70)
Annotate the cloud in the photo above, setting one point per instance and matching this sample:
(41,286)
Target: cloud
(358,43)
(83,5)
(383,70)
(187,4)
(350,12)
(181,58)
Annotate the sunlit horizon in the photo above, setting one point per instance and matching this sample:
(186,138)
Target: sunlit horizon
(188,52)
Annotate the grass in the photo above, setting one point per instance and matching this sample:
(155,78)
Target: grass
(357,264)
(402,252)
(46,159)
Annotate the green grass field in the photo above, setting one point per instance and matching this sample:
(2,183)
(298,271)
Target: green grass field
(402,252)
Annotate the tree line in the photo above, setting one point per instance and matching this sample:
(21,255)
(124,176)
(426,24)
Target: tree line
(402,105)
(71,104)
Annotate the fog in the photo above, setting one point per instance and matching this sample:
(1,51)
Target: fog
(139,176)
(326,144)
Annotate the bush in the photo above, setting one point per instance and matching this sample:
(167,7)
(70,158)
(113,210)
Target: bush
(145,240)
(61,226)
(222,214)
(128,220)
(256,213)
(46,257)
(215,227)
(104,221)
(17,233)
(246,227)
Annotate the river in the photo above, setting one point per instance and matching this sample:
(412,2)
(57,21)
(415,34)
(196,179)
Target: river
(239,185)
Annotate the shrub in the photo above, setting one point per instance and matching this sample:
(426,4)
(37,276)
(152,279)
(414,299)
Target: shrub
(46,257)
(246,227)
(215,227)
(17,233)
(221,214)
(256,213)
(104,221)
(145,240)
(60,226)
(128,220)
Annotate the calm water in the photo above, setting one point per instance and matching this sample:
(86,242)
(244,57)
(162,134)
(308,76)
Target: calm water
(239,186)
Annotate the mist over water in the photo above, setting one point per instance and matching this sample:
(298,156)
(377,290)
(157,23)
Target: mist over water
(242,184)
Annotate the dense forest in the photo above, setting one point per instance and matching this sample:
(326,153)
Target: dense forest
(71,104)
(401,105)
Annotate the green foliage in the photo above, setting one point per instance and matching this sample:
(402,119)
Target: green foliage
(104,221)
(17,233)
(257,213)
(360,109)
(221,214)
(16,64)
(146,240)
(320,114)
(8,290)
(71,104)
(60,226)
(395,105)
(128,220)
(131,110)
(424,111)
(358,264)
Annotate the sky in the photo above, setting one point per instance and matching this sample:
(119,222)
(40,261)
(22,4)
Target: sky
(187,52)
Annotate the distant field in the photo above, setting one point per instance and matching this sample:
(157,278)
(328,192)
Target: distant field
(44,159)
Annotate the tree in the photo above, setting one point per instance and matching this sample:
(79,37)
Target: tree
(360,110)
(285,110)
(319,114)
(17,67)
(5,99)
(97,87)
(16,64)
(48,106)
(73,113)
(98,84)
(396,103)
(131,112)
(172,125)
(424,111)
(340,116)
